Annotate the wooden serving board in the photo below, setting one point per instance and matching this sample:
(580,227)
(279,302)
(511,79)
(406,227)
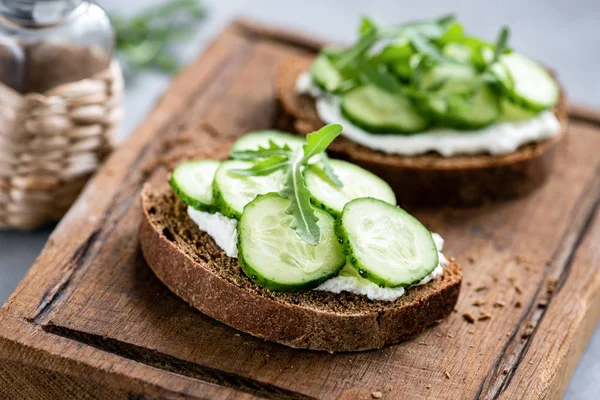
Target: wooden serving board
(91,321)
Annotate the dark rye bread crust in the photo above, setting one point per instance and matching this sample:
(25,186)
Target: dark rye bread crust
(429,179)
(189,263)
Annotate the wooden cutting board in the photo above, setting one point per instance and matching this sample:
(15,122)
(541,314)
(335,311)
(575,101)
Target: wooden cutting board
(90,320)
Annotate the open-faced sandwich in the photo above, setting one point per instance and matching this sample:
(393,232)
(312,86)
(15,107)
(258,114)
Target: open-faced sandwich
(444,117)
(281,242)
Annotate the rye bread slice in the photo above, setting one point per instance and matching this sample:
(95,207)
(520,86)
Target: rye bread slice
(189,263)
(429,179)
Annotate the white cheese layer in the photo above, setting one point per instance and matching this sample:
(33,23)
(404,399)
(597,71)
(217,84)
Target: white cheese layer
(224,232)
(498,138)
(350,281)
(222,229)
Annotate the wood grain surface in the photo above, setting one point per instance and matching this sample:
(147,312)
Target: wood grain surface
(90,320)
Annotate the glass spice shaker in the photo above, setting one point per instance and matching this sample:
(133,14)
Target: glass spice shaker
(46,43)
(60,105)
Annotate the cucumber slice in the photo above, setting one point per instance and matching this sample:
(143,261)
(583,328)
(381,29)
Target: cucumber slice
(511,112)
(472,113)
(357,182)
(526,83)
(450,78)
(385,244)
(232,192)
(274,256)
(192,182)
(325,75)
(254,140)
(379,111)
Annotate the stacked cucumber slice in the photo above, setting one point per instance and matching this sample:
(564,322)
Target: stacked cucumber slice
(423,74)
(359,221)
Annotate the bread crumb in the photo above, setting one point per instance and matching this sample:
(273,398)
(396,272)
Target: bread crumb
(507,334)
(499,303)
(438,334)
(528,331)
(377,395)
(518,289)
(471,331)
(447,374)
(543,303)
(505,371)
(471,346)
(422,343)
(483,316)
(237,334)
(390,388)
(469,318)
(478,303)
(450,335)
(552,283)
(428,386)
(531,362)
(481,288)
(518,304)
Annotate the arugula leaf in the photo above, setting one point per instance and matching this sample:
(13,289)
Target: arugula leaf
(379,77)
(262,152)
(317,142)
(276,158)
(367,26)
(425,47)
(328,170)
(304,219)
(349,56)
(264,167)
(501,43)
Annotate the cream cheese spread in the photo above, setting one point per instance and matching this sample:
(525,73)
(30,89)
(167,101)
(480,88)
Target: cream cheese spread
(498,138)
(224,232)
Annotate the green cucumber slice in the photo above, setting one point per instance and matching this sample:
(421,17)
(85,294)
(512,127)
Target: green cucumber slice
(385,244)
(192,182)
(325,75)
(478,111)
(450,78)
(511,112)
(379,111)
(526,83)
(254,140)
(274,256)
(357,182)
(232,192)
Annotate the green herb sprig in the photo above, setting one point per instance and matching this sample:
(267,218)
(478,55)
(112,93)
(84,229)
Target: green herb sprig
(273,158)
(144,41)
(372,58)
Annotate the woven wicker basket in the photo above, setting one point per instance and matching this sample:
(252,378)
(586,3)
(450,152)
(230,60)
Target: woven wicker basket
(51,143)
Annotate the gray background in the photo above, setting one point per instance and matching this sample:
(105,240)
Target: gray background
(563,34)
